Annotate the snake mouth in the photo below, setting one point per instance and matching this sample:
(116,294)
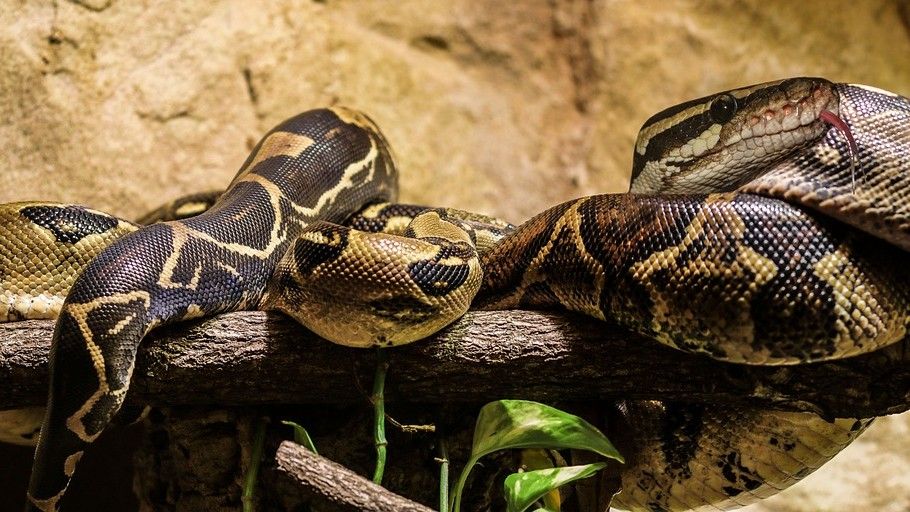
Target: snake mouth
(789,119)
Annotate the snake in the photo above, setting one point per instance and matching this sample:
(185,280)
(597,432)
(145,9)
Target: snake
(43,247)
(765,225)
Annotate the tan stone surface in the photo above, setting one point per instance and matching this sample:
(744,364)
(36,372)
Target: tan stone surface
(502,107)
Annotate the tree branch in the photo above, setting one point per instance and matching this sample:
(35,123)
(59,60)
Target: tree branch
(340,487)
(252,358)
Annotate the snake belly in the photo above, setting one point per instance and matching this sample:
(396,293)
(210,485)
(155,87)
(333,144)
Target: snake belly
(320,165)
(766,277)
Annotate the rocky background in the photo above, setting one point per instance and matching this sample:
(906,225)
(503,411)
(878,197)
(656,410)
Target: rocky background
(500,107)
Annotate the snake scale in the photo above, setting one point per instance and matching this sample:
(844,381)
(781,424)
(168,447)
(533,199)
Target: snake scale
(785,242)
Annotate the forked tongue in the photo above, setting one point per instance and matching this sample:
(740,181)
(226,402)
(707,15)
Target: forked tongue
(838,124)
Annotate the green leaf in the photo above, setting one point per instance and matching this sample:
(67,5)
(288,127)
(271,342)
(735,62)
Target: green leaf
(523,424)
(524,489)
(301,436)
(509,424)
(542,458)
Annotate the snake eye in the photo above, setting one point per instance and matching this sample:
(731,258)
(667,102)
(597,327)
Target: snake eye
(722,108)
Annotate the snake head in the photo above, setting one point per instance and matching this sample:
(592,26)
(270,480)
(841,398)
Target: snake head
(720,142)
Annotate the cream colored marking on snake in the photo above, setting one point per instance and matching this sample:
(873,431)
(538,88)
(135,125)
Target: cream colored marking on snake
(648,132)
(80,313)
(862,321)
(279,144)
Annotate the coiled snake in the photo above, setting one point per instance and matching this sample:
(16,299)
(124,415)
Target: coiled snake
(761,275)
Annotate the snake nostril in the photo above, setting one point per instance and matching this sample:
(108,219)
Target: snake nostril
(818,93)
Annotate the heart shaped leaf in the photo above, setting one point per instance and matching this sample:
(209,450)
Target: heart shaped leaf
(510,424)
(524,489)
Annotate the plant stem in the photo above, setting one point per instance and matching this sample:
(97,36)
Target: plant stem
(252,474)
(382,367)
(443,476)
(455,498)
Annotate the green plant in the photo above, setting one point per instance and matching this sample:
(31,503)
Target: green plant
(301,436)
(524,489)
(511,424)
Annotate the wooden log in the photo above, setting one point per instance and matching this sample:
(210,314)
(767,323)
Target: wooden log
(337,487)
(256,358)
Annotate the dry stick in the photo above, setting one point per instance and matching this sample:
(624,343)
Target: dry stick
(410,428)
(337,486)
(254,358)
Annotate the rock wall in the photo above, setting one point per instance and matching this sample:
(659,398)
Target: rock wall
(501,107)
(121,105)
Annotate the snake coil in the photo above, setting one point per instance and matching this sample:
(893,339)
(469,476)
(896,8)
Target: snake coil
(770,253)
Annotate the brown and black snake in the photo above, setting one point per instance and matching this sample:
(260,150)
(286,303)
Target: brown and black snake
(785,242)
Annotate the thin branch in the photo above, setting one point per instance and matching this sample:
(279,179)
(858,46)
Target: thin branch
(255,358)
(338,487)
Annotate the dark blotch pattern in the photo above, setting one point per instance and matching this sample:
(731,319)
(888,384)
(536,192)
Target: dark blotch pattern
(69,223)
(681,432)
(808,299)
(308,254)
(438,279)
(377,224)
(742,478)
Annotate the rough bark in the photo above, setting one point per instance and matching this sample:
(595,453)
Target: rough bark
(337,485)
(214,377)
(254,358)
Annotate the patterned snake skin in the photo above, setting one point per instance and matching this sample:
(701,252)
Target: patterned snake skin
(43,248)
(768,277)
(747,278)
(320,165)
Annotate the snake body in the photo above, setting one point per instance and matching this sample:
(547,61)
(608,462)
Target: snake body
(803,288)
(764,277)
(311,167)
(44,246)
(757,278)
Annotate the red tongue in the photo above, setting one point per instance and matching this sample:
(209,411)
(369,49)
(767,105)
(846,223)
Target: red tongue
(839,125)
